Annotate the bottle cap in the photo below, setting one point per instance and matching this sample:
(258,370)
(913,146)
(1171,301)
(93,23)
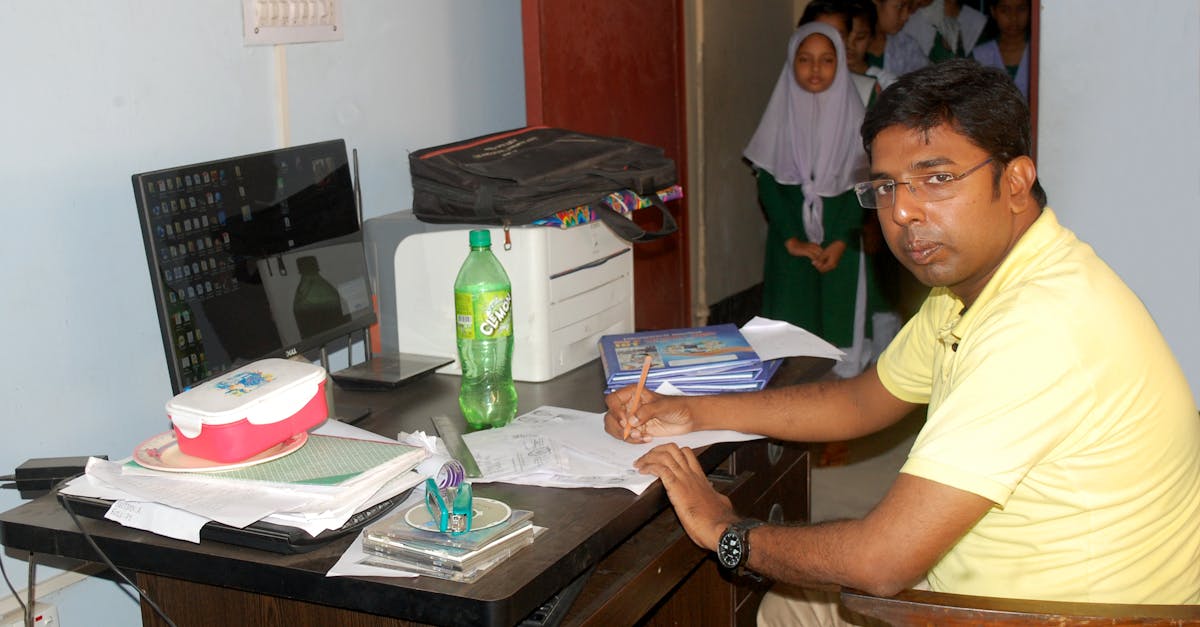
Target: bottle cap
(480,238)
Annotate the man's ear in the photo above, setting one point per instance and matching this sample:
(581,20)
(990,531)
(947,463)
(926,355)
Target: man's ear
(1019,175)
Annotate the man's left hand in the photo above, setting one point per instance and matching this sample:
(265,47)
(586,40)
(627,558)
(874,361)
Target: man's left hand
(703,512)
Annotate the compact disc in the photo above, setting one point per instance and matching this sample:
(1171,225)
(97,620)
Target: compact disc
(486,513)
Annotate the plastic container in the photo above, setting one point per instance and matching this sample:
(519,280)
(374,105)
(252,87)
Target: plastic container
(484,323)
(240,414)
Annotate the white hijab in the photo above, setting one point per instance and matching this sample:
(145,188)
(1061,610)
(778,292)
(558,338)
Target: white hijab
(812,140)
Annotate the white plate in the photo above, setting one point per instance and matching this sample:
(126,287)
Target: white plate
(487,513)
(161,452)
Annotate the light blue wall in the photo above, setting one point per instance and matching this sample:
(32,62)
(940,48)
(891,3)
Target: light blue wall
(93,92)
(1118,127)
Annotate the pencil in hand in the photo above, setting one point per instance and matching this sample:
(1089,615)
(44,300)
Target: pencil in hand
(637,393)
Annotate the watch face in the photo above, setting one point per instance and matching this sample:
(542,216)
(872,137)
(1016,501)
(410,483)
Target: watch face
(730,549)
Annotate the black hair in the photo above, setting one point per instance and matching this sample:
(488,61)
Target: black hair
(991,30)
(981,103)
(819,8)
(864,9)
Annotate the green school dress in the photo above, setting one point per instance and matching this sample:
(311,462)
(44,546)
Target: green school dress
(792,289)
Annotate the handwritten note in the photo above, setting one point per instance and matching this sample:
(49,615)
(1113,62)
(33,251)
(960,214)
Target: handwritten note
(572,450)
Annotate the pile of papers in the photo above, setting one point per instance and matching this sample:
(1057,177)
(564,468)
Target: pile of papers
(353,470)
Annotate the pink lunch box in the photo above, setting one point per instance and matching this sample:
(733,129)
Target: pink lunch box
(240,414)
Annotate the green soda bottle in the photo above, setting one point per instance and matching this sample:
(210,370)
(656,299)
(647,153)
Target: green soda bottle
(483,316)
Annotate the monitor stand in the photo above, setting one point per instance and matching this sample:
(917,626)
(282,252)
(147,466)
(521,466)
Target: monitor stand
(388,370)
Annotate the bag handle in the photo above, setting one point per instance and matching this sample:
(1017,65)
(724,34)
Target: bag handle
(629,230)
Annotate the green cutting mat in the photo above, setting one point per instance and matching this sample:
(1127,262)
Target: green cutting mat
(323,460)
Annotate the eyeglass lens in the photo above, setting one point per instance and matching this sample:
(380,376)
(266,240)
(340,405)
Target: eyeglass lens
(881,194)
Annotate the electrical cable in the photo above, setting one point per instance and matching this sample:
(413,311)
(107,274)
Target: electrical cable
(12,588)
(29,591)
(141,595)
(108,562)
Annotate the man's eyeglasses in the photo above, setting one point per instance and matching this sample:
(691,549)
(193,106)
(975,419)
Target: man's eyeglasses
(881,193)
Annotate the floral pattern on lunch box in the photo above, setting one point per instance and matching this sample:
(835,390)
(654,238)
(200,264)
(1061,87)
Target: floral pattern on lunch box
(244,382)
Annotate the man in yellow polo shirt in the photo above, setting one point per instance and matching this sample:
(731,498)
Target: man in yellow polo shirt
(1061,454)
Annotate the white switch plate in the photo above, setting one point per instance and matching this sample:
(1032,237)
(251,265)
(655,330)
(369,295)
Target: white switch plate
(44,615)
(267,22)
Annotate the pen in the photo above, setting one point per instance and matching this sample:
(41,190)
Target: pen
(637,394)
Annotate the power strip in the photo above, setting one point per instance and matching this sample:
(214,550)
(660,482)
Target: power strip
(49,586)
(44,615)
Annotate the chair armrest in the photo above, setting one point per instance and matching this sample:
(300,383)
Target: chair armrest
(922,607)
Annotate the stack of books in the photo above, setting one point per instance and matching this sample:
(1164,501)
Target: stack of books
(700,360)
(396,543)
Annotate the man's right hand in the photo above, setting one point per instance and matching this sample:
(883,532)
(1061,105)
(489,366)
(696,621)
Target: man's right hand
(657,415)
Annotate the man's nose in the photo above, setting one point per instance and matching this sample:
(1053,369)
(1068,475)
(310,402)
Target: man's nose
(906,208)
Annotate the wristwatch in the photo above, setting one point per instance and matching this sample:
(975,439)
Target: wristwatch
(733,549)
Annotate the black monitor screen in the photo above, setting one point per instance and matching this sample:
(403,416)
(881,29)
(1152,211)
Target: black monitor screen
(252,257)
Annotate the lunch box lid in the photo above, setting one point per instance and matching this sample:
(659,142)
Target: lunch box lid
(262,392)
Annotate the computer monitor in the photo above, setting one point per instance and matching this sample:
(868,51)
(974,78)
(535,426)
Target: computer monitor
(252,257)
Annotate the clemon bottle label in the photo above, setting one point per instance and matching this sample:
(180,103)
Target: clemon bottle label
(483,315)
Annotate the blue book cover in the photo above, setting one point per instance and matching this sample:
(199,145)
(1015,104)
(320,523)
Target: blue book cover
(674,352)
(761,378)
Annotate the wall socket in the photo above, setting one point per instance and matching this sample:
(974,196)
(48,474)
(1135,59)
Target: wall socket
(44,615)
(266,22)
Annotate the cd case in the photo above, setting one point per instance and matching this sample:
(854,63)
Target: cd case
(469,566)
(395,530)
(394,543)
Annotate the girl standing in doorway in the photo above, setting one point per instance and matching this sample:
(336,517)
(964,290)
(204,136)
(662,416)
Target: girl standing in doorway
(807,155)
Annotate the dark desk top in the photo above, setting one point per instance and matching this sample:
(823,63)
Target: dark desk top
(582,525)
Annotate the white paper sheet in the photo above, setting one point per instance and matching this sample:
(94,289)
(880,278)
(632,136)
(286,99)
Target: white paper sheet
(588,456)
(170,522)
(773,339)
(315,523)
(349,564)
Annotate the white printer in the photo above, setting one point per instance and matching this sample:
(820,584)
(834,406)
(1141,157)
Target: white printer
(570,286)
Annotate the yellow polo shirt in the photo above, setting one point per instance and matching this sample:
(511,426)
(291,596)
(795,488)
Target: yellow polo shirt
(1056,397)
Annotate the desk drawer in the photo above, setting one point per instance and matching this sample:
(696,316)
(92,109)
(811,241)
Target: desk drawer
(760,464)
(787,498)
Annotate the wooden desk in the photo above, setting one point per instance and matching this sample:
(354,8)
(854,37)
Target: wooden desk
(645,565)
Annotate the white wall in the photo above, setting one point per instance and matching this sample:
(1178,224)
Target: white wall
(1118,130)
(736,51)
(94,92)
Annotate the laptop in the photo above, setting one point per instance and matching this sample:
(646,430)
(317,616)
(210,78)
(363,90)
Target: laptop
(260,535)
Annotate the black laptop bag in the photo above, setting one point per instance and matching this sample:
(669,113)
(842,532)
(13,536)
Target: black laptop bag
(515,177)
